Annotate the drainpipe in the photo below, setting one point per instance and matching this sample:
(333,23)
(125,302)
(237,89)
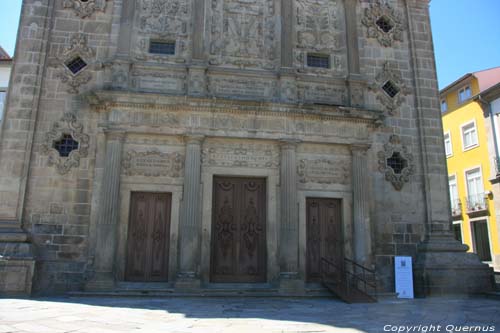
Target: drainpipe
(493,128)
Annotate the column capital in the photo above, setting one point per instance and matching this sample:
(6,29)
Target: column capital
(194,139)
(358,148)
(289,143)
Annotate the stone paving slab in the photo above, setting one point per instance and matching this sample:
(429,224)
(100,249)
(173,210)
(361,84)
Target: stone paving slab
(242,315)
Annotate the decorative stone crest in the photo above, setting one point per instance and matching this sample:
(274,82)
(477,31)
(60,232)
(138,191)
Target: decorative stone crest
(383,23)
(85,8)
(323,171)
(318,32)
(243,33)
(396,162)
(390,87)
(153,164)
(77,51)
(67,126)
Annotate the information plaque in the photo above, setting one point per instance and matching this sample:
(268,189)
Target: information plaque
(404,277)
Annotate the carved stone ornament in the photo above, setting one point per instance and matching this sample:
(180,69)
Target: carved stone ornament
(239,155)
(153,164)
(323,171)
(243,33)
(77,49)
(85,8)
(383,23)
(396,162)
(68,125)
(390,77)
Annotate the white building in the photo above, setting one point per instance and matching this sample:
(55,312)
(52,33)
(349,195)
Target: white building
(5,67)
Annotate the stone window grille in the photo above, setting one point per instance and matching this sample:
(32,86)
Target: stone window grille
(385,24)
(397,163)
(318,60)
(65,145)
(76,65)
(390,89)
(162,47)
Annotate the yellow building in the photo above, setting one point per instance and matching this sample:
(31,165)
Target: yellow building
(470,135)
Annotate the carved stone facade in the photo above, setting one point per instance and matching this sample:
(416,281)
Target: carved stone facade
(227,118)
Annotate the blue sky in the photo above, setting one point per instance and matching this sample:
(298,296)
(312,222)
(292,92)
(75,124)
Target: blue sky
(466,34)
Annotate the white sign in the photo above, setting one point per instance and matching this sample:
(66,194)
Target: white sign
(404,277)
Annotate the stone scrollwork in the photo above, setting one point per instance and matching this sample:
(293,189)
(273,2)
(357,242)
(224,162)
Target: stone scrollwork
(77,50)
(85,8)
(390,87)
(396,162)
(383,23)
(70,127)
(153,164)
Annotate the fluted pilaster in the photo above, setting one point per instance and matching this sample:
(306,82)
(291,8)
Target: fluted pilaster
(190,221)
(361,207)
(289,228)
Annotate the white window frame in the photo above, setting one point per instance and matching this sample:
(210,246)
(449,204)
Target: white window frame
(472,235)
(463,89)
(478,167)
(450,153)
(461,230)
(445,103)
(464,148)
(2,106)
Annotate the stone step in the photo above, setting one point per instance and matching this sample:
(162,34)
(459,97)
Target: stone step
(493,295)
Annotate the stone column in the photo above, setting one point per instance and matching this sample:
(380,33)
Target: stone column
(289,227)
(360,204)
(106,229)
(190,216)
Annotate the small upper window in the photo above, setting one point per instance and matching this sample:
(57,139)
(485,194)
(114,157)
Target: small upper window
(444,106)
(390,89)
(3,94)
(162,47)
(76,65)
(469,136)
(65,145)
(385,24)
(318,60)
(464,94)
(447,145)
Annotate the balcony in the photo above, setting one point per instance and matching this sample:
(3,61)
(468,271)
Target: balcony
(456,209)
(477,204)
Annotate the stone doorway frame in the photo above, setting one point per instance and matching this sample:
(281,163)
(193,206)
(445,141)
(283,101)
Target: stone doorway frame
(346,217)
(123,224)
(272,223)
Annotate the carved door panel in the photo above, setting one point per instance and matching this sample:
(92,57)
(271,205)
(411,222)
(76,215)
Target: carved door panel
(239,230)
(324,235)
(148,237)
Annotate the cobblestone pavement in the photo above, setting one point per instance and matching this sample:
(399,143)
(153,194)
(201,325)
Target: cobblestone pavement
(259,315)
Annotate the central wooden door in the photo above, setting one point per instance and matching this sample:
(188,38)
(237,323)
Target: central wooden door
(324,235)
(148,237)
(239,230)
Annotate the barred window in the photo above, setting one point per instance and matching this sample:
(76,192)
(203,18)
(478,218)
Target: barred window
(390,89)
(76,65)
(66,145)
(161,47)
(318,60)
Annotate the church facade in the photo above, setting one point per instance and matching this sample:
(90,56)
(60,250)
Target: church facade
(201,143)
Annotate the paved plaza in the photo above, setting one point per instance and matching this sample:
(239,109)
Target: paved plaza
(241,315)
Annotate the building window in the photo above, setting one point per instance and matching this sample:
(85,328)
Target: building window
(162,47)
(444,106)
(457,231)
(447,144)
(318,60)
(3,95)
(464,94)
(456,208)
(390,89)
(481,239)
(475,190)
(469,135)
(65,145)
(385,24)
(76,65)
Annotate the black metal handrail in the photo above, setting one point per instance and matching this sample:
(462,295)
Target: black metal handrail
(352,274)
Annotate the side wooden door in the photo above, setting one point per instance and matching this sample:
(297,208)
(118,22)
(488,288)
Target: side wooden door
(239,230)
(324,235)
(148,237)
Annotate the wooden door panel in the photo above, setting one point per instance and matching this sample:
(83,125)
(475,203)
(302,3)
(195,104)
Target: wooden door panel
(148,237)
(238,230)
(323,235)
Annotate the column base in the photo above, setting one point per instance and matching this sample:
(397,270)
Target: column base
(444,267)
(291,284)
(102,281)
(187,282)
(17,265)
